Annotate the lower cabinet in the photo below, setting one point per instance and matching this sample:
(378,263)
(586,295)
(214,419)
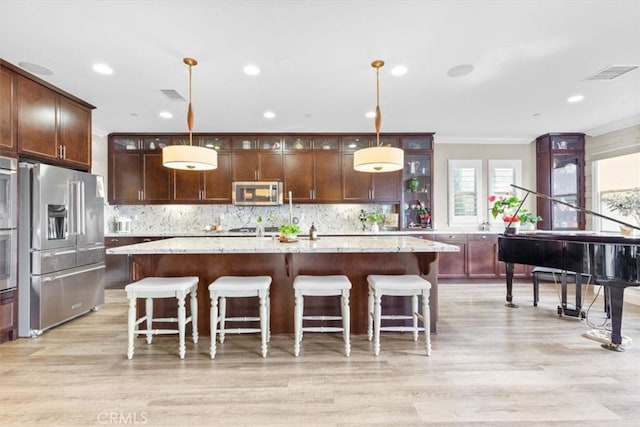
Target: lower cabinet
(8,315)
(117,274)
(477,259)
(452,265)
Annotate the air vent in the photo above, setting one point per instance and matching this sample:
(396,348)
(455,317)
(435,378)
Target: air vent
(172,94)
(611,72)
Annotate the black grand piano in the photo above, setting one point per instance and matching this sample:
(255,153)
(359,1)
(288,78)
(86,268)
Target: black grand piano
(612,260)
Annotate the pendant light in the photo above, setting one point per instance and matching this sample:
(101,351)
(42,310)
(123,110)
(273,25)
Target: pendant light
(189,157)
(378,159)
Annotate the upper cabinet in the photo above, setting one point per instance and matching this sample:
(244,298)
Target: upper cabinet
(136,173)
(368,187)
(211,186)
(256,158)
(8,143)
(312,168)
(41,122)
(315,168)
(560,174)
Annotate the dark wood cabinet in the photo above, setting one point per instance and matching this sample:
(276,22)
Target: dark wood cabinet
(42,122)
(137,176)
(314,175)
(75,133)
(482,256)
(477,259)
(255,165)
(299,176)
(8,315)
(37,120)
(328,177)
(316,168)
(8,144)
(452,264)
(213,186)
(560,174)
(52,127)
(368,187)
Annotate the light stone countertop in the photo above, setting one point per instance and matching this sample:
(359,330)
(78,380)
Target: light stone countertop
(225,233)
(325,244)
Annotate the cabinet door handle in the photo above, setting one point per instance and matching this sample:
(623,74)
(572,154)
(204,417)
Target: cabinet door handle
(64,151)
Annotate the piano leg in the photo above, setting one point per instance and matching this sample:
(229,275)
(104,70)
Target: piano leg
(614,289)
(509,271)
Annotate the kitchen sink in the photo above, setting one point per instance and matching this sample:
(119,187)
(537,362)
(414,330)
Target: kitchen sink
(253,230)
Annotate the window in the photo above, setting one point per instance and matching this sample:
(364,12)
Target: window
(609,180)
(503,173)
(464,191)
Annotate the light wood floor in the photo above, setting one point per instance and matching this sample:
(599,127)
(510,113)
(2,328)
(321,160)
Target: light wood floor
(490,365)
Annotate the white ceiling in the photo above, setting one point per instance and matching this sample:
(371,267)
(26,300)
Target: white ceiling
(315,56)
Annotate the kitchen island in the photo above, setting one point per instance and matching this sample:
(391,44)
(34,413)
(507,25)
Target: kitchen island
(355,256)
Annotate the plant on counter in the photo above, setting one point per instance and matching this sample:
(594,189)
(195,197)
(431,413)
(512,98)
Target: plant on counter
(289,230)
(507,206)
(375,217)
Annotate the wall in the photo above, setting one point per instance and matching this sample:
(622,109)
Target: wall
(485,152)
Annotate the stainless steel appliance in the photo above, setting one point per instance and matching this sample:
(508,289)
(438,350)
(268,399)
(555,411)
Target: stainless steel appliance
(257,193)
(8,223)
(61,258)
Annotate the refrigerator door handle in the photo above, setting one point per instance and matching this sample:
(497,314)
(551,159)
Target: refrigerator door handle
(82,219)
(57,253)
(79,221)
(75,273)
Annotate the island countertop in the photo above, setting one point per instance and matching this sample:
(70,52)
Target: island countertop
(325,244)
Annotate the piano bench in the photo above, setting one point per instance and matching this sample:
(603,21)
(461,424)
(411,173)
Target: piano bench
(551,274)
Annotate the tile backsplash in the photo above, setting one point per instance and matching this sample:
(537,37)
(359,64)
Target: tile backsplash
(150,219)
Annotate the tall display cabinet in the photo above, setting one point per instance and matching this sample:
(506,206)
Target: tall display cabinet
(417,182)
(560,174)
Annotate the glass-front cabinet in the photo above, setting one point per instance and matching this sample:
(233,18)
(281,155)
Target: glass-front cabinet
(560,166)
(417,182)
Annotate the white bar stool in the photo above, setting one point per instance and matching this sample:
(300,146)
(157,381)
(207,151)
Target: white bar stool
(398,285)
(337,285)
(235,287)
(162,287)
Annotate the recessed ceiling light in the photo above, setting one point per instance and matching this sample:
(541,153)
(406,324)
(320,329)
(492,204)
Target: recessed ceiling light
(251,70)
(370,115)
(400,70)
(166,115)
(460,70)
(269,114)
(102,69)
(575,98)
(35,68)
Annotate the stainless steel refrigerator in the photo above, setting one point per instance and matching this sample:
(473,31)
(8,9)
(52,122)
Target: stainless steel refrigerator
(60,246)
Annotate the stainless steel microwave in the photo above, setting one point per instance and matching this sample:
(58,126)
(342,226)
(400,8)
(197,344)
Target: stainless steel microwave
(257,193)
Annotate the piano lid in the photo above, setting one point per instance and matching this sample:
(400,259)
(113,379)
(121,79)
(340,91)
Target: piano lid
(562,202)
